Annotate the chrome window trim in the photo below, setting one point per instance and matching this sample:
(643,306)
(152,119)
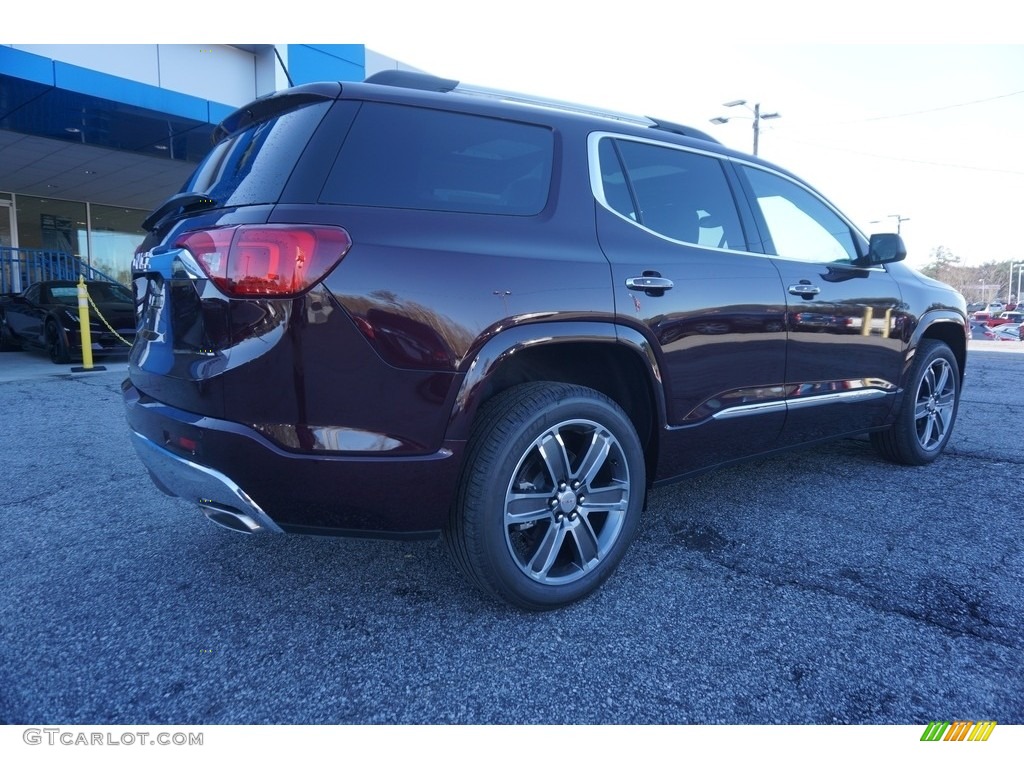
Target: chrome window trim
(597,187)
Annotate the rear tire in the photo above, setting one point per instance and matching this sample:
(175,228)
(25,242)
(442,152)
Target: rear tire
(928,411)
(550,496)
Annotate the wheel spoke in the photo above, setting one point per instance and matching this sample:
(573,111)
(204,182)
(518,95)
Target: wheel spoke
(527,507)
(929,424)
(613,498)
(552,451)
(547,551)
(597,453)
(943,380)
(928,382)
(587,546)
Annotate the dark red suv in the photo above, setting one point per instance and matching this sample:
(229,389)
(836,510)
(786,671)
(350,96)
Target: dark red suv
(403,307)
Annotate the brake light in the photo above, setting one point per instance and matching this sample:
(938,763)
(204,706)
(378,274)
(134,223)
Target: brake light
(276,260)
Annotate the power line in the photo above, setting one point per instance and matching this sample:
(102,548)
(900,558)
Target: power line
(900,159)
(932,109)
(943,109)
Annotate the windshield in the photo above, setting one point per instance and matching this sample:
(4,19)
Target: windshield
(101,293)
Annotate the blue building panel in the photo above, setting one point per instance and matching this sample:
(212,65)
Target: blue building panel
(118,89)
(218,112)
(26,66)
(313,63)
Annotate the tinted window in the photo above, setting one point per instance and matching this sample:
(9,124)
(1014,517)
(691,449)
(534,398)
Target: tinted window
(251,167)
(801,226)
(64,294)
(679,194)
(406,157)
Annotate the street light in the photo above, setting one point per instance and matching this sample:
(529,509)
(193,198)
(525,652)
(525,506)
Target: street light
(899,221)
(758,117)
(1019,266)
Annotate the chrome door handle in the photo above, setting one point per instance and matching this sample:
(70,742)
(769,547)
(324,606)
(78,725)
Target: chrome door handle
(804,290)
(648,283)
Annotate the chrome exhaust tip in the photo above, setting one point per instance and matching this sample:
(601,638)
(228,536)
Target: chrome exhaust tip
(226,517)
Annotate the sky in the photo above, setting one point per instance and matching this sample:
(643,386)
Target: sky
(927,132)
(914,113)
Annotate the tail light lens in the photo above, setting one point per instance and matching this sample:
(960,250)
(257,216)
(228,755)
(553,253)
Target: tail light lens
(276,260)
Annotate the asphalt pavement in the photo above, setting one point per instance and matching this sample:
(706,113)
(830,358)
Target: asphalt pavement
(824,586)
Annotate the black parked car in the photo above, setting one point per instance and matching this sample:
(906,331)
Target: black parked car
(46,317)
(401,307)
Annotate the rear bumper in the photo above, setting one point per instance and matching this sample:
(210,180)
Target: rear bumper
(218,495)
(247,483)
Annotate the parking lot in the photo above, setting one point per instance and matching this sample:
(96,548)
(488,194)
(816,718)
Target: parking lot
(825,586)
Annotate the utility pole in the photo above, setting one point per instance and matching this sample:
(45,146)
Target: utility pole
(758,117)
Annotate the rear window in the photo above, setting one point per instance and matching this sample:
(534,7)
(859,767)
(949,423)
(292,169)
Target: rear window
(252,167)
(408,157)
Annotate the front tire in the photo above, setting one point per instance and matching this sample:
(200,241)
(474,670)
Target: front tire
(925,420)
(7,340)
(56,346)
(550,496)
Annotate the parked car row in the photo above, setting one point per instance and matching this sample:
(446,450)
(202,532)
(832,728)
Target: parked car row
(992,319)
(982,331)
(45,317)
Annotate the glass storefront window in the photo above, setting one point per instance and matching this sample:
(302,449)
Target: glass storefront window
(107,243)
(51,225)
(115,234)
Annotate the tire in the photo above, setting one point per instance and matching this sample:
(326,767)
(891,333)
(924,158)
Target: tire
(542,528)
(7,342)
(56,346)
(925,420)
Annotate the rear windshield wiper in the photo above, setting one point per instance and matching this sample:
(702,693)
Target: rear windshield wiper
(183,201)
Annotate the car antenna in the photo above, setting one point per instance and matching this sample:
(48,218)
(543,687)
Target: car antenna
(284,67)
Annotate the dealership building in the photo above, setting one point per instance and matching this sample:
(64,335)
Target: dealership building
(93,137)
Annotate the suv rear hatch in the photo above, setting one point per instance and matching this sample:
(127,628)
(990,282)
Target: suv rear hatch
(213,281)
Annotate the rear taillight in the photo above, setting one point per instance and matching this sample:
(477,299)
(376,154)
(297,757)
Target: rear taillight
(277,260)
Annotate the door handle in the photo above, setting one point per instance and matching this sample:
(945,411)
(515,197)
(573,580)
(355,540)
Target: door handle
(805,290)
(648,283)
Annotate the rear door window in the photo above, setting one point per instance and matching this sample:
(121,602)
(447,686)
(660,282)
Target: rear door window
(675,193)
(408,157)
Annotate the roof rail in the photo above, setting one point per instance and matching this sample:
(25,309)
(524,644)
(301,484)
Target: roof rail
(421,81)
(427,82)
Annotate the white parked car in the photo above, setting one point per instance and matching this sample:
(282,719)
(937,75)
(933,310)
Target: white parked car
(1007,332)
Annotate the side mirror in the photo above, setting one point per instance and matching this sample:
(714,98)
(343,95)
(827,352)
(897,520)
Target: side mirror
(884,249)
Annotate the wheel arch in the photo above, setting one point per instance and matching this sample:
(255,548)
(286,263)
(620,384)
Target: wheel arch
(616,361)
(948,327)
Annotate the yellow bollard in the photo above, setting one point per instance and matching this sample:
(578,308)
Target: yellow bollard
(83,324)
